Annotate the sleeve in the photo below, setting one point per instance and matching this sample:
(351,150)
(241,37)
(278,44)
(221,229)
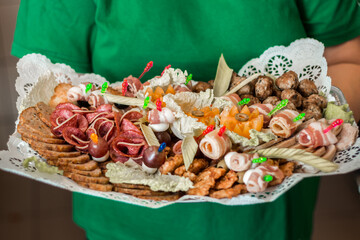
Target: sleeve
(331,22)
(60,30)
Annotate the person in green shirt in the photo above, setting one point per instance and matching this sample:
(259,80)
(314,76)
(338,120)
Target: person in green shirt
(116,38)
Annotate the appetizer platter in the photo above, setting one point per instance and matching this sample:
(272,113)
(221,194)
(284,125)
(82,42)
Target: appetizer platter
(241,138)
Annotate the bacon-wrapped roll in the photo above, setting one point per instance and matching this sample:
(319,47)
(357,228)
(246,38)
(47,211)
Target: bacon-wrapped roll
(264,109)
(160,120)
(77,93)
(254,178)
(213,146)
(313,136)
(282,124)
(234,98)
(181,88)
(240,161)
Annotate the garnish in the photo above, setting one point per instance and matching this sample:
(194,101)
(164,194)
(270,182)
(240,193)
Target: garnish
(147,68)
(130,101)
(281,105)
(300,116)
(41,166)
(222,78)
(189,148)
(149,135)
(334,124)
(197,113)
(242,117)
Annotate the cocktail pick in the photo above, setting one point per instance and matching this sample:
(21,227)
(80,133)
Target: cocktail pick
(221,131)
(259,160)
(268,178)
(207,130)
(188,79)
(244,101)
(335,123)
(124,87)
(147,68)
(88,87)
(94,138)
(158,104)
(104,87)
(162,147)
(167,67)
(300,116)
(146,102)
(282,104)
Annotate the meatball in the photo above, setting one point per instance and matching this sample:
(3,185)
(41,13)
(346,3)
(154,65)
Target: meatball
(315,99)
(276,92)
(293,97)
(247,89)
(201,87)
(289,106)
(211,82)
(313,111)
(263,87)
(271,100)
(307,88)
(253,100)
(288,80)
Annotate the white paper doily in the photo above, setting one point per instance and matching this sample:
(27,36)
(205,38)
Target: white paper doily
(37,75)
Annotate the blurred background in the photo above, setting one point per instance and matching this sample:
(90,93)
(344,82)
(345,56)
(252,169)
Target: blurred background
(32,210)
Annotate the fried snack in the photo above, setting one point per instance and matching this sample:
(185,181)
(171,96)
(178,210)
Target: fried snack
(32,135)
(180,170)
(229,193)
(287,168)
(30,121)
(195,167)
(190,175)
(49,146)
(128,185)
(227,181)
(206,180)
(96,186)
(91,165)
(171,197)
(60,94)
(80,178)
(43,112)
(140,192)
(171,164)
(80,159)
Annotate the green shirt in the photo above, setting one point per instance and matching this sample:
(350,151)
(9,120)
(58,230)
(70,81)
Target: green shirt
(116,38)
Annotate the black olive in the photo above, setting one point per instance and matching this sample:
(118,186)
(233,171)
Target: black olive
(120,106)
(83,104)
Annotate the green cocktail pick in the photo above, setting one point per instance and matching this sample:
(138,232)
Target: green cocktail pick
(244,101)
(268,178)
(300,116)
(281,105)
(259,160)
(104,87)
(88,87)
(188,79)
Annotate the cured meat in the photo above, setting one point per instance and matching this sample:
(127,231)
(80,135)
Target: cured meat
(127,125)
(254,178)
(76,137)
(239,161)
(347,136)
(177,148)
(282,124)
(104,108)
(213,146)
(313,136)
(264,109)
(63,123)
(234,98)
(132,115)
(122,149)
(134,85)
(68,106)
(77,93)
(96,99)
(164,116)
(181,88)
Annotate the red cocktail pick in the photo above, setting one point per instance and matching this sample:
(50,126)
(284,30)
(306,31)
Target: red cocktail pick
(335,123)
(147,68)
(167,67)
(124,87)
(208,129)
(158,104)
(221,131)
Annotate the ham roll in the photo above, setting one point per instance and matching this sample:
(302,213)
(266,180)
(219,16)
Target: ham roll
(254,178)
(264,109)
(239,161)
(213,146)
(282,124)
(313,136)
(160,120)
